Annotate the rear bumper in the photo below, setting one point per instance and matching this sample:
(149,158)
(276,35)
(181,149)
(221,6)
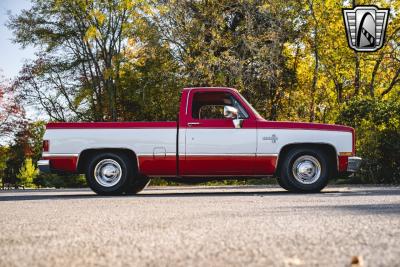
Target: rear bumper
(354,164)
(44,166)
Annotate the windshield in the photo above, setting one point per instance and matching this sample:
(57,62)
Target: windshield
(251,107)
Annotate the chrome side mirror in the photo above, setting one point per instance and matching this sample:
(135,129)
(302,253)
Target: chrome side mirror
(230,112)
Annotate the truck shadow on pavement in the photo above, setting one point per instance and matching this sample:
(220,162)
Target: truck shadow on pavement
(20,195)
(24,196)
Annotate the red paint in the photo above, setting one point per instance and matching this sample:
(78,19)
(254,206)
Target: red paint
(343,162)
(62,163)
(217,165)
(354,141)
(265,165)
(163,166)
(186,117)
(46,145)
(110,125)
(208,165)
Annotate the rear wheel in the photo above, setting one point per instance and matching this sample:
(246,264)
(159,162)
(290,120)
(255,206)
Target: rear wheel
(305,170)
(109,173)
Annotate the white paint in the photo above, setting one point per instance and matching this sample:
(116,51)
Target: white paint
(192,141)
(141,141)
(220,141)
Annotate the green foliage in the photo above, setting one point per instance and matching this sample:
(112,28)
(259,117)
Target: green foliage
(27,173)
(4,155)
(378,137)
(128,60)
(60,181)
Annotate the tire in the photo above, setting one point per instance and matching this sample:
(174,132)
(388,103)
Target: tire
(282,184)
(109,173)
(305,170)
(137,184)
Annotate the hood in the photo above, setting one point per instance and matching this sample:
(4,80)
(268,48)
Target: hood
(302,125)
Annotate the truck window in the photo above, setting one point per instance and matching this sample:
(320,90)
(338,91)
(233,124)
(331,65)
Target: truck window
(210,105)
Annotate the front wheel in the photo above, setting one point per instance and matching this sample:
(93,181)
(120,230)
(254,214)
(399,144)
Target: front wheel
(305,170)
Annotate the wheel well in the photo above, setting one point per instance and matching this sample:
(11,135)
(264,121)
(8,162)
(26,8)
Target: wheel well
(85,156)
(327,148)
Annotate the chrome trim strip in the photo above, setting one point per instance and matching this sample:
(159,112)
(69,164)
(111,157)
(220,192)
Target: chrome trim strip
(215,155)
(354,164)
(44,166)
(187,101)
(59,155)
(152,154)
(43,162)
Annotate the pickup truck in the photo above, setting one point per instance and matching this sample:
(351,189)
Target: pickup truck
(218,135)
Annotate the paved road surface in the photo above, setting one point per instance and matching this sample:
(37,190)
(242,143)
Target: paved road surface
(201,226)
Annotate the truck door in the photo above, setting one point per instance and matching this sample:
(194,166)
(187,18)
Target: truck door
(213,145)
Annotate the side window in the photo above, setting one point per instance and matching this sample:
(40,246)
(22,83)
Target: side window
(211,112)
(210,105)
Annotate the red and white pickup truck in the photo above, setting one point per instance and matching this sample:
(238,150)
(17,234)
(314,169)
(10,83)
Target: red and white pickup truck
(218,135)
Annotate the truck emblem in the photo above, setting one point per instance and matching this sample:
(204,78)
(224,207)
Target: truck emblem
(273,138)
(365,27)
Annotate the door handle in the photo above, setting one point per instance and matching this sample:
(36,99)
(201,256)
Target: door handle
(190,124)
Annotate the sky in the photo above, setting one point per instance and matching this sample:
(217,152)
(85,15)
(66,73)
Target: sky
(12,56)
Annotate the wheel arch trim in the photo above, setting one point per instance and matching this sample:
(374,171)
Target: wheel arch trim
(284,149)
(81,156)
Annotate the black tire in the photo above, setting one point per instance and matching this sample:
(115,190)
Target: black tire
(137,184)
(288,171)
(282,184)
(121,184)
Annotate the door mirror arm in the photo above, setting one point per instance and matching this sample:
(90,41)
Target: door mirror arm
(237,123)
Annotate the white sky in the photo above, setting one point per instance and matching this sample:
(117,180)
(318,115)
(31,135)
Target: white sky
(12,56)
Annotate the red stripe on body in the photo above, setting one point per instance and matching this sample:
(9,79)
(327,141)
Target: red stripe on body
(110,125)
(63,163)
(157,165)
(343,162)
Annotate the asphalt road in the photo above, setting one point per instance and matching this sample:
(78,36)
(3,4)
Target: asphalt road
(201,226)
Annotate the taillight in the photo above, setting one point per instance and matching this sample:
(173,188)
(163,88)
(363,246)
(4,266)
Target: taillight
(46,145)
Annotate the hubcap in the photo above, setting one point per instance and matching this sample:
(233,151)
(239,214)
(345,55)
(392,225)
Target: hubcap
(306,169)
(107,172)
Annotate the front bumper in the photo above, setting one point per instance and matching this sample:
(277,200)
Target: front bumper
(354,164)
(44,166)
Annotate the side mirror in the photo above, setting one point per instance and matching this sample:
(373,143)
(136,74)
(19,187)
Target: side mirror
(230,112)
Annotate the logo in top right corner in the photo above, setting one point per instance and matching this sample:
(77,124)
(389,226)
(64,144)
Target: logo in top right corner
(365,27)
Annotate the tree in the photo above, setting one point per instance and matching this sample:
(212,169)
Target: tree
(27,173)
(239,44)
(11,111)
(83,39)
(4,154)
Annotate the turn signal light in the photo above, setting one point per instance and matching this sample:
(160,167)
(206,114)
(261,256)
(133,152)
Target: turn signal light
(46,145)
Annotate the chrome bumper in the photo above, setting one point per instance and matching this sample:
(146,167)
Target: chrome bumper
(44,166)
(353,164)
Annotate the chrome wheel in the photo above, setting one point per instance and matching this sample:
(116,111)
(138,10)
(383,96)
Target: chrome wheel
(107,172)
(306,169)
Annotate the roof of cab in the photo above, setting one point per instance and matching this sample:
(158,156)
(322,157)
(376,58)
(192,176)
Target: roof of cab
(209,88)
